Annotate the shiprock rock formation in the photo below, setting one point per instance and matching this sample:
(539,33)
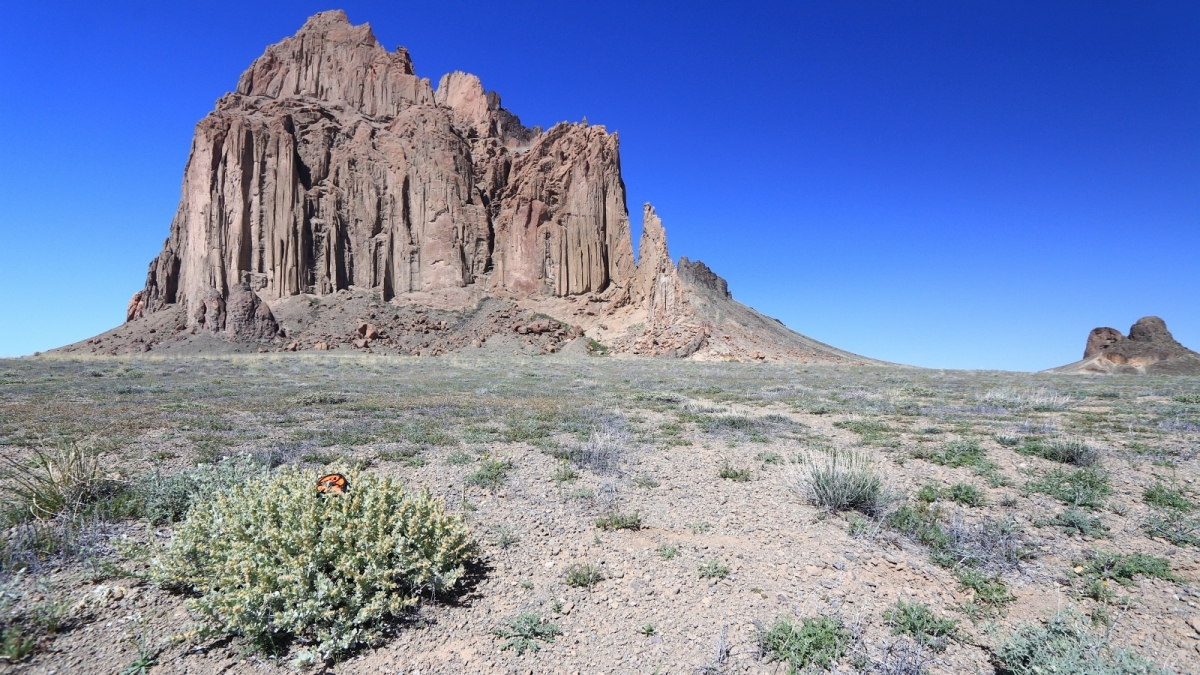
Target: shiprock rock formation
(337,200)
(1149,348)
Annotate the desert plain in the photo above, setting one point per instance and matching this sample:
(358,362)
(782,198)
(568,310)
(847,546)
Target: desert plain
(642,515)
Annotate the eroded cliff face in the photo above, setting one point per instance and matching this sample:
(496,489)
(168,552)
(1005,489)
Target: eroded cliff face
(333,165)
(562,225)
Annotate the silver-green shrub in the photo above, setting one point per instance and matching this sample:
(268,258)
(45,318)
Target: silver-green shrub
(1063,644)
(166,499)
(271,558)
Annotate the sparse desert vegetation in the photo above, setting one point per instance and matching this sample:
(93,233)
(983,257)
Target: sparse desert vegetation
(590,515)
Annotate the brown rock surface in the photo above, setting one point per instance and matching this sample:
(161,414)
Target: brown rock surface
(562,227)
(1100,339)
(657,287)
(703,280)
(1149,348)
(1152,329)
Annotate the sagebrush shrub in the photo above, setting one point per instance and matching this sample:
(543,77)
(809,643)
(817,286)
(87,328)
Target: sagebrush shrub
(166,499)
(813,643)
(730,473)
(919,621)
(491,474)
(1174,527)
(718,423)
(322,398)
(1064,451)
(583,576)
(928,494)
(870,430)
(990,542)
(604,448)
(1075,521)
(1064,644)
(1166,497)
(52,505)
(615,520)
(921,522)
(965,493)
(954,454)
(989,590)
(272,558)
(1086,487)
(1124,568)
(1072,452)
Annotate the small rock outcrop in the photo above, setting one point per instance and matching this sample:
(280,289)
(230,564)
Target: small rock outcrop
(1149,348)
(697,275)
(247,317)
(241,315)
(137,307)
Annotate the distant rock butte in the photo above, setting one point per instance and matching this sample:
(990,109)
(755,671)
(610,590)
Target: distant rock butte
(1149,348)
(334,171)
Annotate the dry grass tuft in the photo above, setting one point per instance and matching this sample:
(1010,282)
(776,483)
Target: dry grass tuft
(842,480)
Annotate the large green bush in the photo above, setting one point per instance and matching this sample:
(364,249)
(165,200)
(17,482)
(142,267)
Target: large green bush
(273,559)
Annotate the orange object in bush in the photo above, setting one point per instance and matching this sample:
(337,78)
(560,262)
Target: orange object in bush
(334,483)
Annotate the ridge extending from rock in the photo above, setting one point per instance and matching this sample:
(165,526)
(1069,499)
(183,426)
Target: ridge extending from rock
(334,183)
(741,329)
(1149,348)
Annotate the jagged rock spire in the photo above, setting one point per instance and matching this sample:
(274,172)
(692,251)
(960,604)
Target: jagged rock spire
(657,286)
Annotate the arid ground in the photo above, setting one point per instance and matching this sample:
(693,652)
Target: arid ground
(665,516)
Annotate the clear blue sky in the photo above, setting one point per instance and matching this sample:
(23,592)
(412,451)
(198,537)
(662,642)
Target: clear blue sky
(947,184)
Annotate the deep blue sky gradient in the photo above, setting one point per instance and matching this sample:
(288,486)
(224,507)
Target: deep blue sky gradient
(945,184)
